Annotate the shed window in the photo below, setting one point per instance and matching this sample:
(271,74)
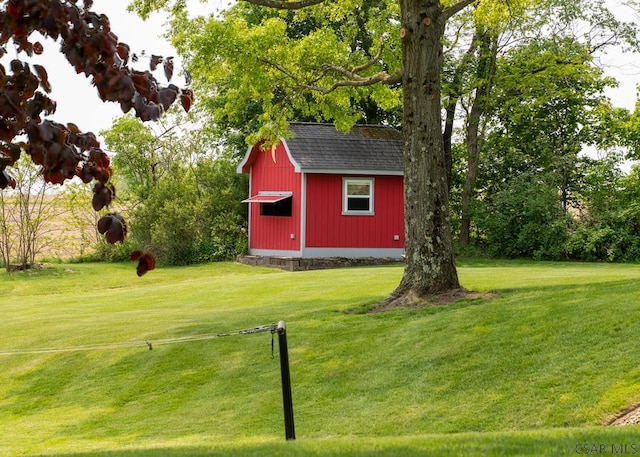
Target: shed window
(357,196)
(273,203)
(280,208)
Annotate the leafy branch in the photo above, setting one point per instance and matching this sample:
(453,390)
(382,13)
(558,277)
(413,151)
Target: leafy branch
(352,76)
(86,40)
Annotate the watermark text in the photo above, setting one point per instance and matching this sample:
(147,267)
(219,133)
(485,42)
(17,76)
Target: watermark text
(607,449)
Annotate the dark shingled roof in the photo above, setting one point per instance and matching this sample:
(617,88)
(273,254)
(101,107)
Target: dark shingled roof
(320,147)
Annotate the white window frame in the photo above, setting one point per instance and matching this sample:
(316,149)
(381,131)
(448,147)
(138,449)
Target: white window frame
(345,196)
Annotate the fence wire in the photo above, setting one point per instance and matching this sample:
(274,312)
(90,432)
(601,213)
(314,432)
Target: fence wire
(149,344)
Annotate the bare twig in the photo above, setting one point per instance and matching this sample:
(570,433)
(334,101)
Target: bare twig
(456,8)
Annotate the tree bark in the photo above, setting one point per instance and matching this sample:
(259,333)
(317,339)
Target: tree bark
(430,266)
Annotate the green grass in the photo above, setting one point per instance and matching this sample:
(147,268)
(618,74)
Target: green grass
(533,371)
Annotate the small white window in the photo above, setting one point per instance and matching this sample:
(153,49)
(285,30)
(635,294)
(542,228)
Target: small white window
(357,196)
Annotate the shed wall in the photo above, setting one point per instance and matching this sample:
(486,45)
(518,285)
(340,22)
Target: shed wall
(274,232)
(326,226)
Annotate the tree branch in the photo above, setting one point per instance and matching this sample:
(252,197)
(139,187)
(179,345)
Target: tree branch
(286,5)
(372,61)
(456,8)
(378,78)
(353,79)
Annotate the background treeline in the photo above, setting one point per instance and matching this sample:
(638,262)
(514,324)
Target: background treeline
(524,218)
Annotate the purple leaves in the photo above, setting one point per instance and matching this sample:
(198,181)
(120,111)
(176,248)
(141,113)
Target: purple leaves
(146,261)
(113,227)
(63,151)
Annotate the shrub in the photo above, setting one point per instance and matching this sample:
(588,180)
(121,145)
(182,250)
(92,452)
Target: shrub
(524,220)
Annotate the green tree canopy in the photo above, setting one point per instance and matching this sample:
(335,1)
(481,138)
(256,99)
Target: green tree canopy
(186,195)
(549,104)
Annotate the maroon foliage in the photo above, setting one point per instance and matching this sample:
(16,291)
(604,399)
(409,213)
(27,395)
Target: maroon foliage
(168,68)
(89,45)
(123,51)
(186,99)
(155,61)
(167,95)
(6,180)
(146,261)
(103,195)
(113,227)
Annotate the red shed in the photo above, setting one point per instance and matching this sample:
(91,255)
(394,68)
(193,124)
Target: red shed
(324,193)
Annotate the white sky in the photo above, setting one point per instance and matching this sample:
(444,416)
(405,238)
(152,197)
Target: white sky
(625,67)
(78,100)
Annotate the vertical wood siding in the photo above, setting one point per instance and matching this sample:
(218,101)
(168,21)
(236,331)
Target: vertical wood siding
(274,232)
(328,227)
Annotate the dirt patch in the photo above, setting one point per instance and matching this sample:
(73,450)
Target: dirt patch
(459,294)
(414,301)
(628,416)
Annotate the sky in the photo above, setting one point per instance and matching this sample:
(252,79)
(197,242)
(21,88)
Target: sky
(78,100)
(625,67)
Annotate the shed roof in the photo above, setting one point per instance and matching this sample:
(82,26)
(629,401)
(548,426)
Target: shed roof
(320,147)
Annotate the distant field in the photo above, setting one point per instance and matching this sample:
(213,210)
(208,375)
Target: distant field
(61,236)
(62,240)
(534,371)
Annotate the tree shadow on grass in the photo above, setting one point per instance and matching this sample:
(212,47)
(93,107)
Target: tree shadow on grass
(461,298)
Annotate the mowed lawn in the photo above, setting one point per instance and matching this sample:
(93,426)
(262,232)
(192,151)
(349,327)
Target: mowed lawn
(535,370)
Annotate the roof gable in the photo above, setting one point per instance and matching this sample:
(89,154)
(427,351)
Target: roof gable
(320,148)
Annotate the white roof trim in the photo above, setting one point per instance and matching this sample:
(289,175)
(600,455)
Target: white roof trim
(351,171)
(244,161)
(296,165)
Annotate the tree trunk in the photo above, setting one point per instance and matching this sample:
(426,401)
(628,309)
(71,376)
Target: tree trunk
(473,160)
(430,267)
(455,92)
(485,73)
(450,110)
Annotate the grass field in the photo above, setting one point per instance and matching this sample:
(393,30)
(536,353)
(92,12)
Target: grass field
(534,371)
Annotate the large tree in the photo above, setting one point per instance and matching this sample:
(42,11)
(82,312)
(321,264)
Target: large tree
(549,105)
(322,72)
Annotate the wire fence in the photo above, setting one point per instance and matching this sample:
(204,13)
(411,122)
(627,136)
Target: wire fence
(149,344)
(273,328)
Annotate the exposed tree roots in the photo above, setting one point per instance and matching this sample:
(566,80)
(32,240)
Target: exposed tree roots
(411,299)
